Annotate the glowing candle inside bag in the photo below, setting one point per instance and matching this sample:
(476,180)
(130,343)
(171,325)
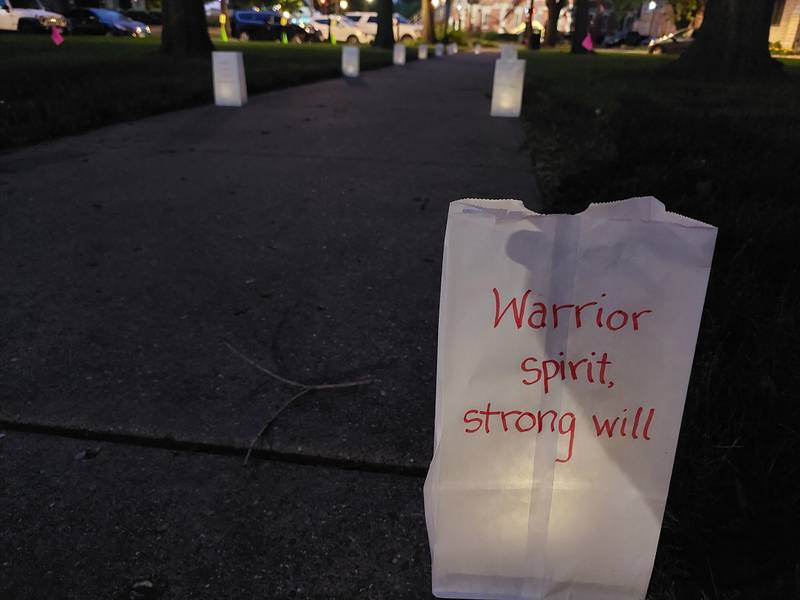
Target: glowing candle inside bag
(230,87)
(422,52)
(439,49)
(350,61)
(558,493)
(509,78)
(399,54)
(508,52)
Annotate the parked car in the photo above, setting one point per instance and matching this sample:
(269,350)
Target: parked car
(28,16)
(344,30)
(102,21)
(404,30)
(152,17)
(617,39)
(672,43)
(613,40)
(268,25)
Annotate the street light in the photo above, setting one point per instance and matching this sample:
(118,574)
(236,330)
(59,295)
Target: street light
(651,7)
(343,4)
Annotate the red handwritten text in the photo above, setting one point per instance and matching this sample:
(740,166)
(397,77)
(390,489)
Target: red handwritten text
(609,427)
(538,315)
(574,370)
(522,422)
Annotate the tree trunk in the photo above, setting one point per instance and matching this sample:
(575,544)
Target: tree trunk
(554,8)
(428,27)
(581,20)
(732,43)
(385,36)
(446,36)
(529,24)
(185,31)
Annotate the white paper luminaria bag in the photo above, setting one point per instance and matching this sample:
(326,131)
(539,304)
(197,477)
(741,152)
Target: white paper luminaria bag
(565,347)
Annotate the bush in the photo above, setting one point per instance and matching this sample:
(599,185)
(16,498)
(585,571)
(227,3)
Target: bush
(460,37)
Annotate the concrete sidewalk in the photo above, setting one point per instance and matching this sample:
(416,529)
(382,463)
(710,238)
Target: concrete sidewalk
(306,231)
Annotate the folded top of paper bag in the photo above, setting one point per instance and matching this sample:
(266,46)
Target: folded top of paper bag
(645,208)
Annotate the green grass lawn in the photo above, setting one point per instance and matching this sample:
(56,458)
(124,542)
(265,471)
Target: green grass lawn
(608,127)
(49,91)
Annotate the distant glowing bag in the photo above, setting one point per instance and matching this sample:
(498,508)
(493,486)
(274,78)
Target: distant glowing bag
(565,348)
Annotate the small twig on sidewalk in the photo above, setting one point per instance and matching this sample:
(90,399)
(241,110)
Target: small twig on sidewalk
(304,389)
(269,422)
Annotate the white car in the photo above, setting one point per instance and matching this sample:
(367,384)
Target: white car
(404,31)
(28,16)
(344,30)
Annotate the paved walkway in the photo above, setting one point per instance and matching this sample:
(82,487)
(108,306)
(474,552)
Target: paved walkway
(304,230)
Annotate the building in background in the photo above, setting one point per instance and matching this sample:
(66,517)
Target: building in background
(785,26)
(501,16)
(655,18)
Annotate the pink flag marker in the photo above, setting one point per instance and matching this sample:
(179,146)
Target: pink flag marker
(55,35)
(587,43)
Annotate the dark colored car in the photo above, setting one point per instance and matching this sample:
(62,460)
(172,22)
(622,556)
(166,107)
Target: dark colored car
(101,21)
(673,43)
(267,25)
(619,38)
(152,17)
(83,20)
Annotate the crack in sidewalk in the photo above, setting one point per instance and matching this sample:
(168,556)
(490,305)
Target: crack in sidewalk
(216,449)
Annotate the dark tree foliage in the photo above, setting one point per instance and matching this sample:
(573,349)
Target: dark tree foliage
(385,36)
(732,43)
(185,31)
(685,11)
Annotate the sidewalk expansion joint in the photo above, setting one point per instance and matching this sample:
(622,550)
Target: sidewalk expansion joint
(216,449)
